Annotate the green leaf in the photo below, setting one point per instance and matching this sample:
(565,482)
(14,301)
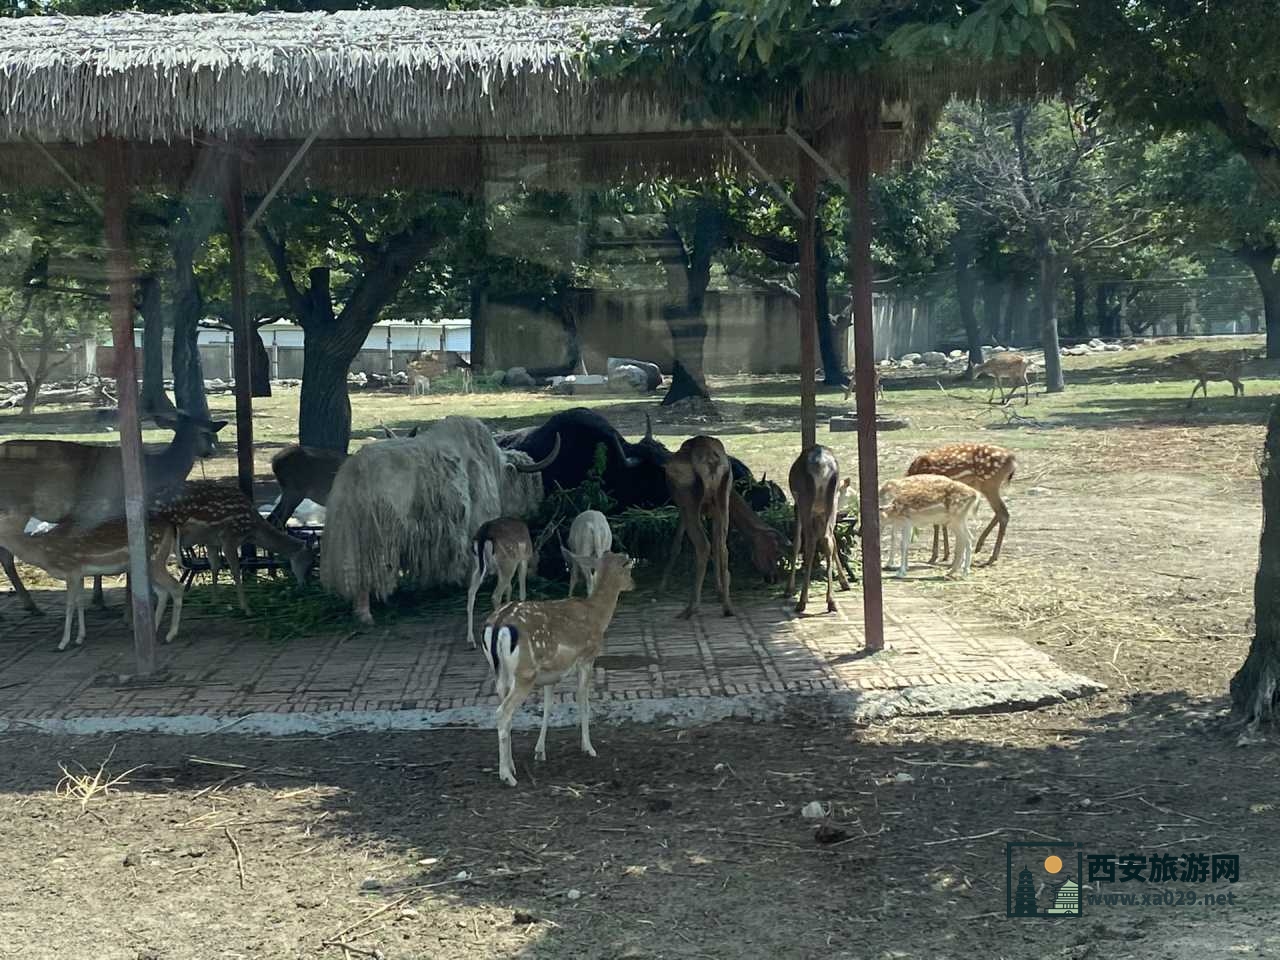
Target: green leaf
(764,47)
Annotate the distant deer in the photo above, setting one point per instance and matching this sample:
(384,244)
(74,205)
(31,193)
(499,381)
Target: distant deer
(851,387)
(219,516)
(82,485)
(71,555)
(590,538)
(537,643)
(503,548)
(814,481)
(701,482)
(1228,371)
(306,473)
(430,366)
(1003,366)
(929,498)
(982,466)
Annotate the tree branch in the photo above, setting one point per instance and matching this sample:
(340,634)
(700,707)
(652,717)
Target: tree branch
(280,260)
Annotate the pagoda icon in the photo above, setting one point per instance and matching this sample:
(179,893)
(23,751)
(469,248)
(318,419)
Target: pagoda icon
(1024,898)
(1066,899)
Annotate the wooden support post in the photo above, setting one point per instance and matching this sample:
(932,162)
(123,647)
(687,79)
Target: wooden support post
(241,325)
(860,270)
(807,195)
(120,294)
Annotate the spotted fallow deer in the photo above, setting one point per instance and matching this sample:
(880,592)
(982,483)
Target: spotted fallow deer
(1228,371)
(535,644)
(930,498)
(1003,366)
(815,480)
(983,466)
(71,555)
(219,516)
(502,548)
(700,481)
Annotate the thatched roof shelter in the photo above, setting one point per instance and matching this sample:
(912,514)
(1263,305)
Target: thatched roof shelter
(394,97)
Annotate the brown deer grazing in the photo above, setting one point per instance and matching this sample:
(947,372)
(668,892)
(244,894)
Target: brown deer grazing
(306,473)
(219,516)
(536,643)
(983,466)
(81,484)
(701,482)
(815,481)
(929,498)
(1003,366)
(1228,371)
(502,547)
(765,544)
(71,555)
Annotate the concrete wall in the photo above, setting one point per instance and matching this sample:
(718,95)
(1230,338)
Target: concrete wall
(747,332)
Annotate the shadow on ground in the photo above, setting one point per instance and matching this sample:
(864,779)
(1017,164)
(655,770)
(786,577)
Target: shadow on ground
(670,843)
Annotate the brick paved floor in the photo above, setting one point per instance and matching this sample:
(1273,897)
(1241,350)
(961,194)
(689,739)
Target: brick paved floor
(217,666)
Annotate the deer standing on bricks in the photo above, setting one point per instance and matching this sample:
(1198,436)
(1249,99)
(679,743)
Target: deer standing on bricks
(219,516)
(983,466)
(502,547)
(71,555)
(932,499)
(537,643)
(701,483)
(815,480)
(590,538)
(82,484)
(1003,366)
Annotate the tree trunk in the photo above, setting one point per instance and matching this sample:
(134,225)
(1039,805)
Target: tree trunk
(188,308)
(260,366)
(689,274)
(153,399)
(1108,316)
(324,408)
(1255,688)
(992,299)
(1262,261)
(833,374)
(1050,271)
(1080,293)
(966,296)
(478,359)
(1014,309)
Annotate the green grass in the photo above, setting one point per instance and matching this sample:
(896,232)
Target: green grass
(1135,389)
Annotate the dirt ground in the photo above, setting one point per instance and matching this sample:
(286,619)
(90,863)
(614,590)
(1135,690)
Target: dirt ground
(1130,558)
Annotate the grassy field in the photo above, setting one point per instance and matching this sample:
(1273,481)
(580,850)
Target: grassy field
(1129,558)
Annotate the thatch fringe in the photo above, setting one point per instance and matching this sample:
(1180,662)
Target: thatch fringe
(421,98)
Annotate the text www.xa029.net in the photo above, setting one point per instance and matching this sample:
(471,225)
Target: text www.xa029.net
(1163,898)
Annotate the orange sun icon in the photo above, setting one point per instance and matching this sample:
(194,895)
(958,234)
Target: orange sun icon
(1053,864)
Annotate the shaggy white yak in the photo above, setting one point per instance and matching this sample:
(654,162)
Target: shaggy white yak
(412,506)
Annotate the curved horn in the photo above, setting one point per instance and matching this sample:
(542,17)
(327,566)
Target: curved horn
(541,464)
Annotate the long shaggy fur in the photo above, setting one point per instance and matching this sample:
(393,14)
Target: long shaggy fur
(411,506)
